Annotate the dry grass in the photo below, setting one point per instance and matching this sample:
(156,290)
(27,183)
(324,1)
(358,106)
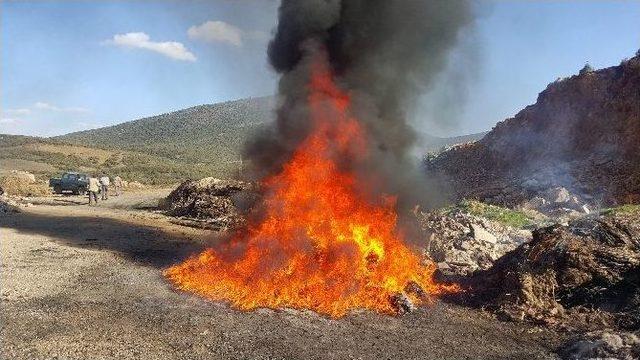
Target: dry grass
(20,186)
(82,152)
(6,165)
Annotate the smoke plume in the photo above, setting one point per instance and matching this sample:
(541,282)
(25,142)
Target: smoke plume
(385,53)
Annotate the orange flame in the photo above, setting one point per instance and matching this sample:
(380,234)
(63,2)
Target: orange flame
(322,244)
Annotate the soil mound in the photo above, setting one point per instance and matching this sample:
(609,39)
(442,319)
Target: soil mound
(22,183)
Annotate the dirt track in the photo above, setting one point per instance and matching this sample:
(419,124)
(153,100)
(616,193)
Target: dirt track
(80,282)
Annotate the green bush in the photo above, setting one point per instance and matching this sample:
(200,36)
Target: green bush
(513,218)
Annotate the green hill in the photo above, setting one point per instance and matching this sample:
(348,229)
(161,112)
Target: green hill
(200,141)
(47,157)
(206,134)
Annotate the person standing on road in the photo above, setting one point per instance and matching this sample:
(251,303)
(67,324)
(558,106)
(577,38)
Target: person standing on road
(104,186)
(117,182)
(94,187)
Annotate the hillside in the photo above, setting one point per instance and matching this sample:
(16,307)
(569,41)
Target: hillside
(206,134)
(433,144)
(47,157)
(196,142)
(583,133)
(210,134)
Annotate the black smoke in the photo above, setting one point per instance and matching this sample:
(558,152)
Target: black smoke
(385,53)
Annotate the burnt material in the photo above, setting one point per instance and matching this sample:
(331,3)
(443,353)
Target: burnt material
(581,275)
(222,204)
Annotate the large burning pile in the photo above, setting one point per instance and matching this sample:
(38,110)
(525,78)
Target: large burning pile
(322,244)
(327,237)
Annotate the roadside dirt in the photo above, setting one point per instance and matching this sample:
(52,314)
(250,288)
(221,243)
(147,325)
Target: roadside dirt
(86,282)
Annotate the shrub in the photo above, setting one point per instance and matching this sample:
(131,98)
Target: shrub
(586,69)
(513,218)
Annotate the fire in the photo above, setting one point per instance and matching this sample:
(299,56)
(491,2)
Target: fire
(321,244)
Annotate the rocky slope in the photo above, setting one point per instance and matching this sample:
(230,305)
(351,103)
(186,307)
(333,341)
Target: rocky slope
(583,133)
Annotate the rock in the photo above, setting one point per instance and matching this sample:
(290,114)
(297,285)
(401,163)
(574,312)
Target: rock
(8,206)
(401,303)
(461,243)
(603,345)
(481,234)
(535,203)
(557,195)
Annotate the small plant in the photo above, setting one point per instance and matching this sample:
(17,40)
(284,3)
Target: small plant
(623,209)
(513,218)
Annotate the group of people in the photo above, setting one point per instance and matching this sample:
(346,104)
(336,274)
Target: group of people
(101,185)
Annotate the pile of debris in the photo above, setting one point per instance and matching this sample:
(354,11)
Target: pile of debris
(578,276)
(211,203)
(461,243)
(7,205)
(603,345)
(23,183)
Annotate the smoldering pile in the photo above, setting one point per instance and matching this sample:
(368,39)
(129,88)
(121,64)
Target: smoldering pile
(211,203)
(584,275)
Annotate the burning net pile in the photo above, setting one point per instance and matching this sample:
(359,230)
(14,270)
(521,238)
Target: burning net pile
(321,245)
(327,236)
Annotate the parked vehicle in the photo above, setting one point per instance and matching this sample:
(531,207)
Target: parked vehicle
(73,182)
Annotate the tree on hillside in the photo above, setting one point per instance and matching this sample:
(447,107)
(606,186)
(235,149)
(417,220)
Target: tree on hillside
(586,69)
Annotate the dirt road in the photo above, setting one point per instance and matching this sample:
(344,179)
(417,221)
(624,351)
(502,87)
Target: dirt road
(80,282)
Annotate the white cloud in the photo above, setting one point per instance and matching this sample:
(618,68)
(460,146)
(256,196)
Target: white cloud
(17,112)
(140,40)
(6,120)
(222,32)
(48,107)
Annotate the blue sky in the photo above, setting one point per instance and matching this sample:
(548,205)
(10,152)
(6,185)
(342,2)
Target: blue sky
(73,65)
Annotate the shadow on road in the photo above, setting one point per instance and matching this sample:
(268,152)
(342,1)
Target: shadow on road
(145,244)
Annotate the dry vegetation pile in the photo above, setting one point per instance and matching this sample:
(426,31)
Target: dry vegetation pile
(23,184)
(210,202)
